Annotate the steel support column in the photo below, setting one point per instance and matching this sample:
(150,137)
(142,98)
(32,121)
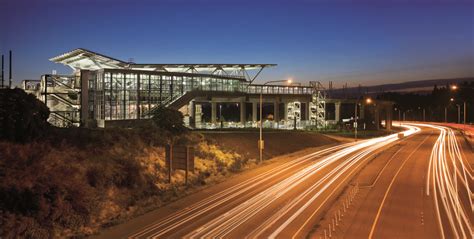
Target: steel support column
(213,112)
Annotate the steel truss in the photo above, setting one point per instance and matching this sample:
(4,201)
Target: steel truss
(318,105)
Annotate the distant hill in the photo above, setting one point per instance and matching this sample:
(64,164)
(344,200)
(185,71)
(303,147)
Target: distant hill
(421,87)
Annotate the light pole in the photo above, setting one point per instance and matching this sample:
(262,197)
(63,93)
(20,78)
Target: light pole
(445,114)
(459,113)
(422,112)
(454,88)
(465,112)
(355,120)
(260,141)
(368,101)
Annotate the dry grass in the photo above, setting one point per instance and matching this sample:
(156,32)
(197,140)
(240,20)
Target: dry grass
(74,186)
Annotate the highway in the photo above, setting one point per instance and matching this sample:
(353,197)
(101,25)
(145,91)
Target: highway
(420,189)
(294,197)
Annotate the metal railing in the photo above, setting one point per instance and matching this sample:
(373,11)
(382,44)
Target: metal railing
(269,124)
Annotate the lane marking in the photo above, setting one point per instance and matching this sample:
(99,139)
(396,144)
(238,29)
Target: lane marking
(381,171)
(390,186)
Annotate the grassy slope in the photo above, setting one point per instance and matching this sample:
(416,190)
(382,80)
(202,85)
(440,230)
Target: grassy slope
(276,142)
(76,181)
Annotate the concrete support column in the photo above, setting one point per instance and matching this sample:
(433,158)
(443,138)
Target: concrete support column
(242,112)
(337,112)
(307,110)
(254,111)
(377,117)
(388,120)
(276,111)
(362,111)
(285,107)
(213,112)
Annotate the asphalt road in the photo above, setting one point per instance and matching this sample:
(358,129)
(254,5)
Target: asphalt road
(414,192)
(286,199)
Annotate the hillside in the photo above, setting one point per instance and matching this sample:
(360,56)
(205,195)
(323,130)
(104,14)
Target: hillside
(76,181)
(422,86)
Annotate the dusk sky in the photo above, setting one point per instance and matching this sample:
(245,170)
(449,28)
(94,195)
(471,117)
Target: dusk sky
(357,43)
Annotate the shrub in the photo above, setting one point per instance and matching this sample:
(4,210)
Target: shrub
(169,119)
(22,116)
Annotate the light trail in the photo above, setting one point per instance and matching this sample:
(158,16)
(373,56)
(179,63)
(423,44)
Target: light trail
(224,224)
(445,169)
(345,159)
(181,217)
(379,210)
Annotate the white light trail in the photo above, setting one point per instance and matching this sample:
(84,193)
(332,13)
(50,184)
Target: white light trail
(445,169)
(181,217)
(224,224)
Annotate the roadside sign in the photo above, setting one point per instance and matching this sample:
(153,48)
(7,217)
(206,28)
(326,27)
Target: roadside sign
(179,157)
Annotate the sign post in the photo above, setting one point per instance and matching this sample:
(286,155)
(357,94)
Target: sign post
(170,163)
(180,157)
(187,165)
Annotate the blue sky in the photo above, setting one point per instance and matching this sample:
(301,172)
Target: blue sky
(354,42)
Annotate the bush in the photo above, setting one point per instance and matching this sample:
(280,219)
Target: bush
(22,116)
(44,189)
(75,180)
(168,119)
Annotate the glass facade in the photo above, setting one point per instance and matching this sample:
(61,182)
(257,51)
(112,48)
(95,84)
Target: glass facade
(130,94)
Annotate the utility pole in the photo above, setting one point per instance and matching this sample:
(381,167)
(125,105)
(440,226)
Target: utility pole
(10,72)
(424,119)
(3,76)
(260,141)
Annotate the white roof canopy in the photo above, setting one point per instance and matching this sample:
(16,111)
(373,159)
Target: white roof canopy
(82,59)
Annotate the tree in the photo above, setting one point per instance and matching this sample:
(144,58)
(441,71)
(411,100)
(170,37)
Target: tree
(22,116)
(168,119)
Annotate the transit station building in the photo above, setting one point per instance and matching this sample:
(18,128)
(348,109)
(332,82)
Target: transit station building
(107,92)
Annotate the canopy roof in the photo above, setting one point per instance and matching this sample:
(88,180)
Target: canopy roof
(82,59)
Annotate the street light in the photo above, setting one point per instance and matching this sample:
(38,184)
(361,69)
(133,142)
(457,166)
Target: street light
(368,101)
(260,141)
(455,87)
(459,113)
(419,107)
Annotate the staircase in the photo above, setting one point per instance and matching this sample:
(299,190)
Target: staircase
(62,91)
